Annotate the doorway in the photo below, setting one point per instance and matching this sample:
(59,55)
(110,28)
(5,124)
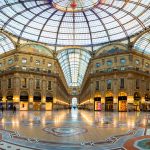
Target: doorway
(97,104)
(122,103)
(109,104)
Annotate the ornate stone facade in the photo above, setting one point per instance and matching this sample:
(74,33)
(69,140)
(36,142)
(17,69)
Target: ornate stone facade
(117,79)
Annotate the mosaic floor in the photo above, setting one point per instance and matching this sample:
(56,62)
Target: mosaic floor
(75,129)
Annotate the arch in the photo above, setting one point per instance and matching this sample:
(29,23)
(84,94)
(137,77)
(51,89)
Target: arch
(24,93)
(122,94)
(37,93)
(112,48)
(140,34)
(49,97)
(142,43)
(24,96)
(36,48)
(6,43)
(74,63)
(73,47)
(97,94)
(109,94)
(37,97)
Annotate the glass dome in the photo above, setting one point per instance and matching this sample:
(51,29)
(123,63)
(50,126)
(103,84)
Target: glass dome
(74,22)
(5,44)
(143,43)
(74,63)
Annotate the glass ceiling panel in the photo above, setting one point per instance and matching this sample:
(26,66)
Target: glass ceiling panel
(74,63)
(5,44)
(143,43)
(79,22)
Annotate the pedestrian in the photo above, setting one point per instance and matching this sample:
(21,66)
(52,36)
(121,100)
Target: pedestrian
(2,109)
(14,109)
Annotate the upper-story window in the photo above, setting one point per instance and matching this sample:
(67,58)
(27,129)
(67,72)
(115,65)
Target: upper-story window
(49,64)
(97,85)
(24,60)
(137,62)
(147,65)
(24,68)
(147,85)
(98,65)
(49,85)
(9,83)
(122,83)
(37,62)
(37,82)
(122,68)
(122,61)
(109,63)
(10,61)
(109,84)
(24,82)
(137,83)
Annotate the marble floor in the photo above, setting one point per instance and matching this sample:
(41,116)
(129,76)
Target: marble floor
(74,129)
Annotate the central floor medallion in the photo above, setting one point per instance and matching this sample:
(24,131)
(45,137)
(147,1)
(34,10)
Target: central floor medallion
(65,131)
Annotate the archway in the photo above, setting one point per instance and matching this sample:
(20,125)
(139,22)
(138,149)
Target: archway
(24,100)
(137,101)
(74,102)
(9,100)
(97,101)
(37,101)
(146,107)
(109,101)
(49,101)
(122,100)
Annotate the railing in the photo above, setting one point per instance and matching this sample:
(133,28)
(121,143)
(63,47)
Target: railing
(28,70)
(121,70)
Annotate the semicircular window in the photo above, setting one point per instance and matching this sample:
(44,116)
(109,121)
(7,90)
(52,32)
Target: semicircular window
(143,43)
(74,63)
(5,44)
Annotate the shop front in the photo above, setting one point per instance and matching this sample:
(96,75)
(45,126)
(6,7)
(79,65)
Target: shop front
(24,100)
(9,102)
(37,101)
(49,102)
(137,101)
(97,104)
(109,103)
(122,100)
(147,102)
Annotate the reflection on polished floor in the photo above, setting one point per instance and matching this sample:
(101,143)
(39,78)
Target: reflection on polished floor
(73,129)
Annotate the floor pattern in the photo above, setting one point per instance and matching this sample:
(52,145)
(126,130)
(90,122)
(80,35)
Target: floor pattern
(69,130)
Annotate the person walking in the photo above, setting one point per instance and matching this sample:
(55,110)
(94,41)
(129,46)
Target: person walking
(14,109)
(2,109)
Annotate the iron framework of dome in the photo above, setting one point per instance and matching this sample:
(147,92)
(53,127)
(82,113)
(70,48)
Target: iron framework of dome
(143,43)
(74,22)
(5,44)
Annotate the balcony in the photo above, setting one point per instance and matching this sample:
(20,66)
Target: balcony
(28,70)
(120,69)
